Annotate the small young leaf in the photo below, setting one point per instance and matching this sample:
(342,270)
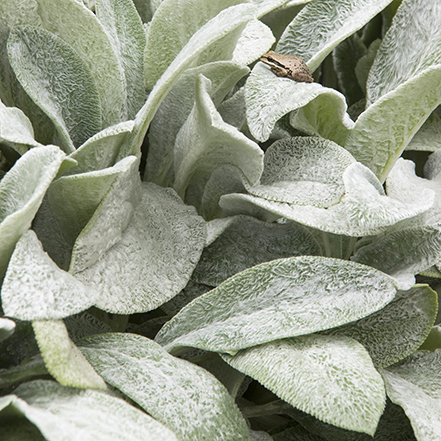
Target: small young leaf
(62,358)
(184,397)
(331,378)
(34,287)
(278,299)
(72,414)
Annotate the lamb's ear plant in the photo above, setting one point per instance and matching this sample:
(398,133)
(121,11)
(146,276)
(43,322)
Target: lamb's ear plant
(196,247)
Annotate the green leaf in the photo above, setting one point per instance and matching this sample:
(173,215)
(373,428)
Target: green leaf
(35,288)
(183,396)
(403,253)
(72,414)
(266,6)
(124,27)
(415,385)
(7,328)
(304,171)
(331,378)
(62,358)
(205,143)
(223,30)
(428,137)
(30,369)
(403,87)
(175,109)
(172,26)
(269,97)
(21,192)
(84,191)
(154,258)
(323,24)
(398,329)
(363,210)
(278,299)
(16,130)
(58,81)
(247,242)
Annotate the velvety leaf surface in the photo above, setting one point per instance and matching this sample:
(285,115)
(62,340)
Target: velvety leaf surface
(397,330)
(83,415)
(84,192)
(35,288)
(205,142)
(183,396)
(304,171)
(223,30)
(172,26)
(248,242)
(155,257)
(16,129)
(58,81)
(428,136)
(278,299)
(403,253)
(269,97)
(6,328)
(21,192)
(175,109)
(331,378)
(62,358)
(363,210)
(322,24)
(415,385)
(124,27)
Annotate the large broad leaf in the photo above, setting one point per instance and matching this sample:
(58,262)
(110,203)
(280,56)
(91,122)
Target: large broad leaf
(403,87)
(155,257)
(183,396)
(278,299)
(62,358)
(172,26)
(247,242)
(58,81)
(403,253)
(363,210)
(322,24)
(126,33)
(224,29)
(74,415)
(304,171)
(16,130)
(175,109)
(21,193)
(398,329)
(34,287)
(331,378)
(205,143)
(269,97)
(415,385)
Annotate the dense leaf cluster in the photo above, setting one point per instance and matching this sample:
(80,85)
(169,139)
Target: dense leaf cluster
(193,248)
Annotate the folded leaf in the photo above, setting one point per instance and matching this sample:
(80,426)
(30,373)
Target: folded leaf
(184,397)
(331,378)
(278,299)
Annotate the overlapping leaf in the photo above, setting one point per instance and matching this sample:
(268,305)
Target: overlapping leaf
(278,299)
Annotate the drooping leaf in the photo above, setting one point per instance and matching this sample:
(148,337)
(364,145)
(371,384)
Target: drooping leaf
(184,397)
(126,34)
(154,258)
(62,358)
(72,414)
(397,330)
(322,24)
(278,299)
(34,287)
(246,242)
(58,81)
(205,143)
(331,378)
(415,385)
(21,192)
